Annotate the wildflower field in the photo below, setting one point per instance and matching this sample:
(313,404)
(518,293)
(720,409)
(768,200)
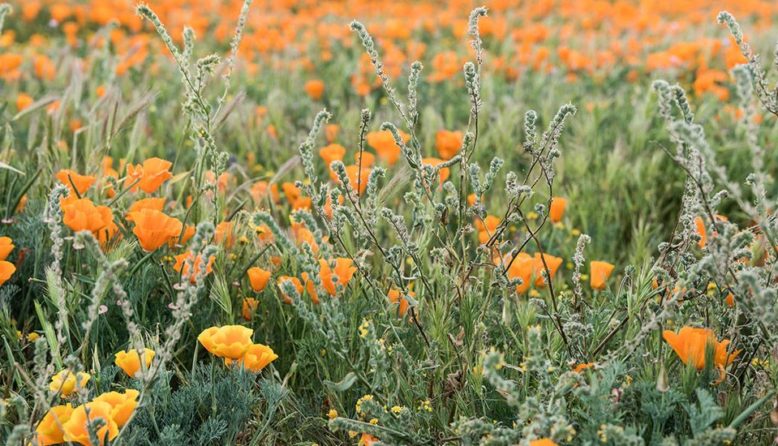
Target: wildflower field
(294,222)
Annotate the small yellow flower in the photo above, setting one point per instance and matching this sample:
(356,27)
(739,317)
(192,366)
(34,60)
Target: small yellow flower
(32,336)
(332,414)
(364,398)
(66,382)
(534,293)
(396,410)
(532,215)
(374,421)
(575,232)
(364,329)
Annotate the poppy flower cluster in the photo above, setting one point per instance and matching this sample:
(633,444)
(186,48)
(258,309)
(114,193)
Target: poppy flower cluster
(233,343)
(65,423)
(334,274)
(595,36)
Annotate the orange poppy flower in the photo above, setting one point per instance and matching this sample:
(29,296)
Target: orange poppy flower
(301,234)
(542,442)
(258,278)
(314,88)
(150,175)
(181,239)
(396,297)
(224,234)
(23,101)
(730,300)
(229,341)
(256,358)
(385,146)
(80,214)
(522,267)
(261,189)
(368,159)
(249,307)
(44,67)
(49,430)
(690,344)
(367,440)
(156,204)
(310,288)
(6,246)
(327,208)
(154,229)
(700,226)
(557,210)
(331,132)
(76,427)
(70,179)
(295,196)
(448,143)
(344,270)
(122,404)
(182,267)
(65,382)
(583,366)
(7,269)
(599,272)
(264,234)
(486,228)
(358,184)
(332,152)
(22,204)
(553,264)
(129,361)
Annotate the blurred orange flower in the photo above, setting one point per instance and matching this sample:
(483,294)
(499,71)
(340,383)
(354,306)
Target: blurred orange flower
(314,89)
(150,175)
(557,211)
(385,146)
(599,272)
(448,143)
